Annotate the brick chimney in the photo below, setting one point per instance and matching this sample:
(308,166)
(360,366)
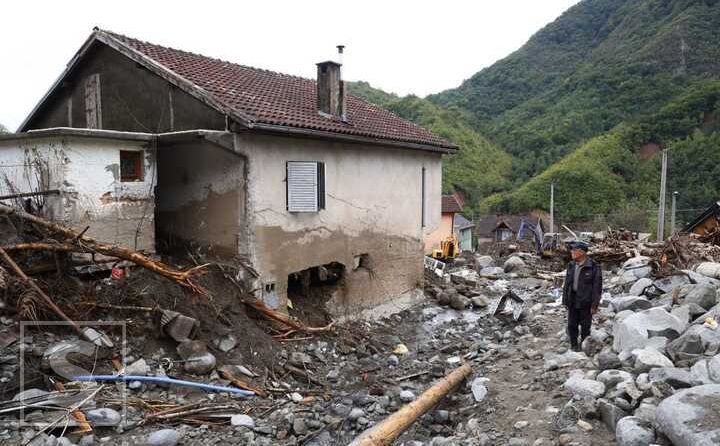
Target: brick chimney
(331,88)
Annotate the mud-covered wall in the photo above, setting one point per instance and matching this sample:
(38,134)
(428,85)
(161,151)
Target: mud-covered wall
(373,207)
(200,198)
(132,99)
(86,172)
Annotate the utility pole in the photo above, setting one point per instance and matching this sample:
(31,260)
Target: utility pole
(661,206)
(672,212)
(552,206)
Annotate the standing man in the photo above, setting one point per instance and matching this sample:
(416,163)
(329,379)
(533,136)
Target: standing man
(581,293)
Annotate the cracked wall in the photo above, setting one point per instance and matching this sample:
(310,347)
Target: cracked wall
(90,191)
(373,206)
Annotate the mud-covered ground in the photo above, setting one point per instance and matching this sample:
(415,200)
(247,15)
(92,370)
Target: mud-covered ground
(327,388)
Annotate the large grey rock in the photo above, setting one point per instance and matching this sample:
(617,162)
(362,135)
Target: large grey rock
(581,387)
(646,411)
(610,413)
(483,262)
(608,360)
(635,268)
(633,303)
(514,263)
(675,377)
(696,341)
(557,360)
(690,416)
(491,271)
(709,269)
(638,288)
(700,374)
(714,368)
(668,284)
(633,431)
(611,377)
(649,358)
(636,330)
(702,295)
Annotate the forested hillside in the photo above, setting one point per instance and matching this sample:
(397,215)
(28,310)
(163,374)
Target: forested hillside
(576,104)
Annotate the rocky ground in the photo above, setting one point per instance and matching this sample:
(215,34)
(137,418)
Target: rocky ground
(646,376)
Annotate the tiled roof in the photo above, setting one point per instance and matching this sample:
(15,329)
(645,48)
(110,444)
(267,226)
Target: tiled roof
(266,97)
(450,204)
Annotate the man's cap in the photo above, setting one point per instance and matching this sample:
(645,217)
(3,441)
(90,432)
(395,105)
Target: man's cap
(579,245)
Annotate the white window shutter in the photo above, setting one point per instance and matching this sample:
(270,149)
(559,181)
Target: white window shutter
(302,186)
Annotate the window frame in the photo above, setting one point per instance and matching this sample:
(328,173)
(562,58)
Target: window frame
(319,185)
(138,157)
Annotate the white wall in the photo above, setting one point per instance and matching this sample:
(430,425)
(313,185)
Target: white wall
(373,206)
(86,171)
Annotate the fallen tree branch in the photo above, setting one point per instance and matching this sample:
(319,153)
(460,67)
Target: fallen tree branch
(31,283)
(283,318)
(385,432)
(83,243)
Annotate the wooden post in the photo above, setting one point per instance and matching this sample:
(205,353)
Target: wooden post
(387,431)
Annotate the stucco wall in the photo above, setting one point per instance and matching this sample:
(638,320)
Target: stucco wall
(86,171)
(445,229)
(373,197)
(200,198)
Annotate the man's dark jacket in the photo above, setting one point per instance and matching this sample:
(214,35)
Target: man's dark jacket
(589,288)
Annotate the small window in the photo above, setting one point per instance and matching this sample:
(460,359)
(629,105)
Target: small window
(305,186)
(131,165)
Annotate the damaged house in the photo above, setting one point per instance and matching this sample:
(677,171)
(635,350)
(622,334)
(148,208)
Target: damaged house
(168,151)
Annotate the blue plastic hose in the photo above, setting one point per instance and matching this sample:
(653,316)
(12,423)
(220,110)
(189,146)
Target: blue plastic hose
(165,380)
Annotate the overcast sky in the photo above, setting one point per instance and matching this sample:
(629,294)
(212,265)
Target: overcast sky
(418,47)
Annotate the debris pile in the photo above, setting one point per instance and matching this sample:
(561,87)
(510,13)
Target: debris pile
(484,360)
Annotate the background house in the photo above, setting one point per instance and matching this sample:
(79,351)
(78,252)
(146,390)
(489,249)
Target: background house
(450,206)
(463,228)
(705,223)
(169,151)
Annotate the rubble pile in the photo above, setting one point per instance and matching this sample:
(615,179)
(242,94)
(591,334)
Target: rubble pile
(165,364)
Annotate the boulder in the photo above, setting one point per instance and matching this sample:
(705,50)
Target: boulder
(709,269)
(163,437)
(634,431)
(479,302)
(690,416)
(610,413)
(700,374)
(714,368)
(483,262)
(636,330)
(668,284)
(638,288)
(649,358)
(635,268)
(646,411)
(702,295)
(443,298)
(695,342)
(675,377)
(459,302)
(514,263)
(581,387)
(103,417)
(608,360)
(632,303)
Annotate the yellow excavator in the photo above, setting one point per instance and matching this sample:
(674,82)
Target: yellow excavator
(449,249)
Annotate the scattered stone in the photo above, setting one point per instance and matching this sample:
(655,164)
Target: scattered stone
(612,377)
(610,414)
(483,262)
(702,295)
(675,377)
(401,349)
(225,343)
(407,396)
(479,302)
(633,431)
(139,367)
(632,303)
(242,420)
(478,389)
(584,425)
(459,302)
(356,413)
(103,417)
(163,437)
(491,271)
